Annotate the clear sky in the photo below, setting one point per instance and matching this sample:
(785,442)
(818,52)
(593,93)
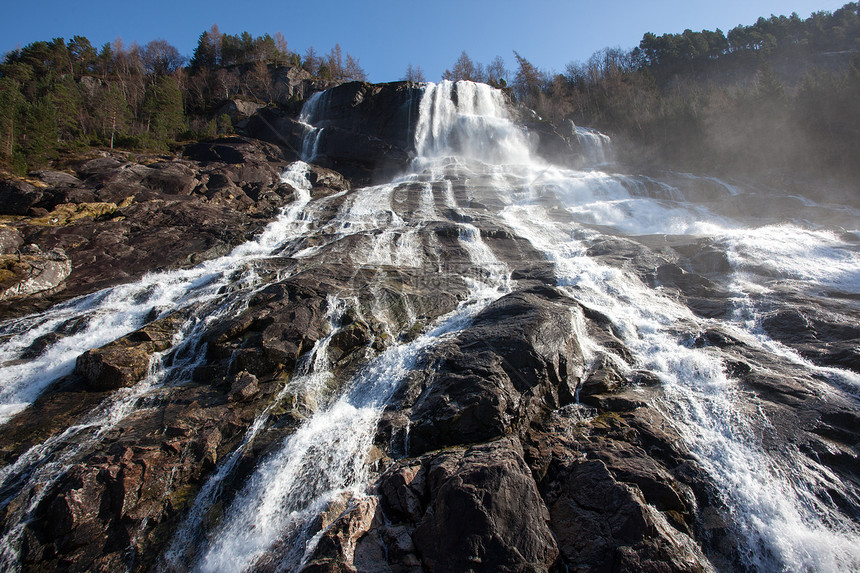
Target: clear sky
(388,35)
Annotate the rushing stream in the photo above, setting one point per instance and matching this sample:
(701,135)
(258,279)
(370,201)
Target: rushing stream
(475,166)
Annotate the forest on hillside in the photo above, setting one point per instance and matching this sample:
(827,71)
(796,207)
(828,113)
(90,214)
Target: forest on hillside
(779,95)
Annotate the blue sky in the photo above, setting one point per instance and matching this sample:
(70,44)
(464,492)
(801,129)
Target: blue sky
(388,35)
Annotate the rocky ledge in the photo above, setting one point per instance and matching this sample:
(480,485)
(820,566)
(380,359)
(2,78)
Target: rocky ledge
(115,217)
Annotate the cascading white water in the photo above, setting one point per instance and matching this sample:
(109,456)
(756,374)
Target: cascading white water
(311,375)
(97,319)
(105,316)
(769,499)
(468,121)
(595,146)
(310,114)
(464,132)
(325,457)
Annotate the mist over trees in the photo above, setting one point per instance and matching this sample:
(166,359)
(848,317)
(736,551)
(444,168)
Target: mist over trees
(778,96)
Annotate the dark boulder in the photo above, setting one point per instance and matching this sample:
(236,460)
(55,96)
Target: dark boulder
(125,361)
(520,357)
(474,509)
(16,197)
(56,178)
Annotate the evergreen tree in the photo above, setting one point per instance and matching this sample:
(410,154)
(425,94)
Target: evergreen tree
(162,111)
(40,128)
(12,105)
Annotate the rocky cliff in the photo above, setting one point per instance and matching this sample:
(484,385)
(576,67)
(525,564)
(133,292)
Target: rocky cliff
(304,349)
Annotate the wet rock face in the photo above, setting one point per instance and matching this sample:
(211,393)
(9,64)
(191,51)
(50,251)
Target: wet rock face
(117,220)
(125,362)
(519,358)
(465,509)
(367,129)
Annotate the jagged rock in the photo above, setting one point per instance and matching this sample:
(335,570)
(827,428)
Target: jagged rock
(474,509)
(335,550)
(239,109)
(277,127)
(519,357)
(602,524)
(125,362)
(10,240)
(171,178)
(33,273)
(367,129)
(16,197)
(551,144)
(244,387)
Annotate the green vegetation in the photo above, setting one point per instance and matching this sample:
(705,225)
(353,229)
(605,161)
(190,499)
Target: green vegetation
(61,97)
(779,96)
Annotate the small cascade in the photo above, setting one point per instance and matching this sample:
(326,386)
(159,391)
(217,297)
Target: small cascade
(470,121)
(312,373)
(595,147)
(770,499)
(95,320)
(311,113)
(274,515)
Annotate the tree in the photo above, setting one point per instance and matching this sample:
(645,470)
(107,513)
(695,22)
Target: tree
(82,56)
(282,54)
(497,74)
(414,74)
(205,55)
(464,69)
(527,80)
(161,58)
(334,63)
(67,100)
(162,109)
(111,113)
(353,70)
(104,62)
(40,127)
(11,115)
(311,62)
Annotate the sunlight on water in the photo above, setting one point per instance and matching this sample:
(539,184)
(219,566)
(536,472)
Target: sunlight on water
(464,136)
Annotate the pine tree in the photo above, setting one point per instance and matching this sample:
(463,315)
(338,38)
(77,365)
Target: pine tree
(11,117)
(162,109)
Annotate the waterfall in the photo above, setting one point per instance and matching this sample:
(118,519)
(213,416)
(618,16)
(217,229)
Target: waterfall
(468,121)
(475,177)
(596,147)
(273,518)
(464,129)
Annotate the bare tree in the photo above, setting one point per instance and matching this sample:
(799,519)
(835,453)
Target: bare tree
(161,58)
(353,70)
(464,69)
(497,73)
(414,74)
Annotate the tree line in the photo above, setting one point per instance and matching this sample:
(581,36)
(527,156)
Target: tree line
(63,96)
(778,95)
(780,92)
